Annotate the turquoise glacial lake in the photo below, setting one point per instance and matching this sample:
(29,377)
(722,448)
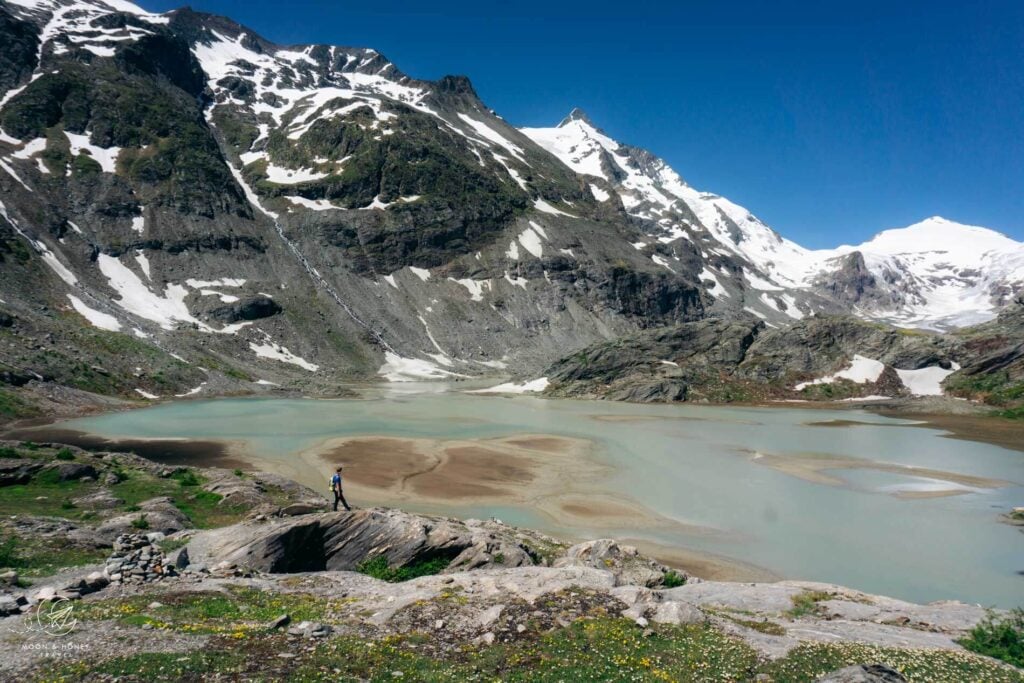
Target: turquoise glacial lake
(872,527)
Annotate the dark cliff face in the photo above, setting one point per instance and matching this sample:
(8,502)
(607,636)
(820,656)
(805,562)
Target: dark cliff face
(203,192)
(21,45)
(850,281)
(744,360)
(994,367)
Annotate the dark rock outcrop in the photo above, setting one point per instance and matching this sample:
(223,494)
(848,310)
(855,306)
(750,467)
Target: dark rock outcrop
(253,308)
(743,360)
(71,471)
(15,471)
(344,540)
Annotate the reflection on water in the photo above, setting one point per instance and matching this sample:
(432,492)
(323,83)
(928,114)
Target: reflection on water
(692,464)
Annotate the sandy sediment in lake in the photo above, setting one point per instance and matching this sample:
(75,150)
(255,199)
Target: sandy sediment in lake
(986,429)
(701,563)
(556,476)
(819,468)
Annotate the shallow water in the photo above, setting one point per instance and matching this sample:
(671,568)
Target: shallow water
(697,465)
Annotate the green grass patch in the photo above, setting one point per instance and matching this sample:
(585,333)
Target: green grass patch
(378,568)
(154,666)
(807,603)
(604,649)
(14,407)
(809,662)
(1001,637)
(673,579)
(169,545)
(1011,413)
(186,478)
(46,495)
(760,625)
(996,389)
(237,611)
(834,391)
(599,649)
(43,557)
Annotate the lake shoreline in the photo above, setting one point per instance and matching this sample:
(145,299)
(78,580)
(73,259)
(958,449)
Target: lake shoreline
(968,421)
(601,510)
(540,465)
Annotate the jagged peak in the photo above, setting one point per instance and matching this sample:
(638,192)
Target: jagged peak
(577,114)
(456,85)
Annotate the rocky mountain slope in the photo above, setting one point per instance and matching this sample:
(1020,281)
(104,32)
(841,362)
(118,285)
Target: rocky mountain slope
(816,358)
(936,274)
(188,209)
(195,573)
(180,188)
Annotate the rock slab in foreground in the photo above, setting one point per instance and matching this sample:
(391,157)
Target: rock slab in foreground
(344,540)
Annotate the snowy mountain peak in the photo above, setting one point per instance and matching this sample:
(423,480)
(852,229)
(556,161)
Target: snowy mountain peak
(105,5)
(936,273)
(940,234)
(577,114)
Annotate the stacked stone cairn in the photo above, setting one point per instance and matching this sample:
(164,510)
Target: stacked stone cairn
(137,560)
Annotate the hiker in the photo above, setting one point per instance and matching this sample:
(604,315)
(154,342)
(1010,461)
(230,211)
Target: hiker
(336,490)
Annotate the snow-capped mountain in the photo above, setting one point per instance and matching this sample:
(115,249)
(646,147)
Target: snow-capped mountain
(186,205)
(937,273)
(250,210)
(934,274)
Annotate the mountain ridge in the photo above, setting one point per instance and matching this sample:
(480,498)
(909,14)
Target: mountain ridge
(654,189)
(187,208)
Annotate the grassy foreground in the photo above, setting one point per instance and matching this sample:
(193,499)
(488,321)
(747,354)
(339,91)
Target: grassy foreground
(599,647)
(46,495)
(223,633)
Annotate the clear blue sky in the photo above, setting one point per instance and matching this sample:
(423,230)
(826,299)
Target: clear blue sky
(829,123)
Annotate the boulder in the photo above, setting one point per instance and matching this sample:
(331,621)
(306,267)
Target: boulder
(14,471)
(677,613)
(8,605)
(252,492)
(624,561)
(296,509)
(160,515)
(71,471)
(100,500)
(310,629)
(44,594)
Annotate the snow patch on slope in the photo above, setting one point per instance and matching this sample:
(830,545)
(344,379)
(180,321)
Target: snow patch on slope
(96,318)
(861,370)
(533,386)
(274,351)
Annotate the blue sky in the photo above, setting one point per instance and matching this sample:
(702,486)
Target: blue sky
(829,123)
